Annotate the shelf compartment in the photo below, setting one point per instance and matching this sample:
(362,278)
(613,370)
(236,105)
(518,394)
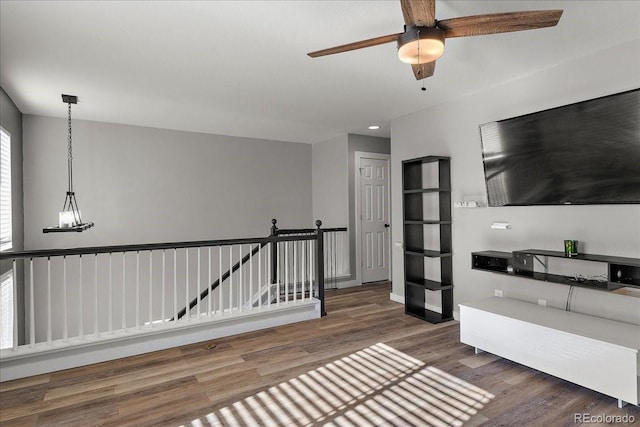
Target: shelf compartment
(494,261)
(427,190)
(624,274)
(431,285)
(427,222)
(428,315)
(427,253)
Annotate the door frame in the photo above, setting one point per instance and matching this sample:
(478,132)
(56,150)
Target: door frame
(359,155)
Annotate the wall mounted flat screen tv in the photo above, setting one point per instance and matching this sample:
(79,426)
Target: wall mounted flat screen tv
(582,153)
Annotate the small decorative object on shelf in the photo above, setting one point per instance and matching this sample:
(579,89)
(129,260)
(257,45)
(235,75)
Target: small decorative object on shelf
(570,248)
(419,197)
(69,219)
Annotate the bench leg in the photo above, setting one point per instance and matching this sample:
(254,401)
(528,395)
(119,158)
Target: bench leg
(621,403)
(477,350)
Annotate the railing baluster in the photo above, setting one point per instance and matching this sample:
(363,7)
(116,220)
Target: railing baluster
(137,289)
(186,284)
(199,288)
(278,252)
(335,260)
(175,285)
(240,293)
(230,279)
(268,278)
(305,268)
(295,269)
(259,276)
(32,312)
(311,262)
(210,297)
(80,300)
(124,291)
(15,307)
(220,301)
(49,326)
(95,295)
(65,326)
(286,272)
(164,290)
(110,321)
(151,289)
(251,278)
(300,260)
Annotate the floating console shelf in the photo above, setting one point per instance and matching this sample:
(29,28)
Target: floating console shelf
(621,271)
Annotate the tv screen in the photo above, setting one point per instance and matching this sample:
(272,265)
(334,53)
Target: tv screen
(582,153)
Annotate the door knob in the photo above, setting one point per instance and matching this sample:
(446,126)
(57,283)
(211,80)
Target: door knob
(386,226)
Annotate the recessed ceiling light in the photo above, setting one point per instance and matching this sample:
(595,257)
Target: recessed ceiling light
(374,127)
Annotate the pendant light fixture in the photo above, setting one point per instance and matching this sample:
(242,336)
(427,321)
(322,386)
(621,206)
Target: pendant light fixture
(69,219)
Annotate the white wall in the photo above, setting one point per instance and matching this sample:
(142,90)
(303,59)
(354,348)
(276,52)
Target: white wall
(451,129)
(145,185)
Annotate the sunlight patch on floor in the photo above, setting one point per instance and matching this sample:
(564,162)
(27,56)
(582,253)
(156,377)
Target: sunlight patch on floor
(372,387)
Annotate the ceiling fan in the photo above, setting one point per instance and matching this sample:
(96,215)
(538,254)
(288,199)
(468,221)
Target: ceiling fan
(422,42)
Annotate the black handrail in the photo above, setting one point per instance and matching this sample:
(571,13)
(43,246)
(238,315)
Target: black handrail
(41,253)
(277,235)
(308,230)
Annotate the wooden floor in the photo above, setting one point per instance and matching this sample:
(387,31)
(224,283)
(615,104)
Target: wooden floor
(292,375)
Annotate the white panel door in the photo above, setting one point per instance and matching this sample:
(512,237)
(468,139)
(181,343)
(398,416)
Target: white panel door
(374,214)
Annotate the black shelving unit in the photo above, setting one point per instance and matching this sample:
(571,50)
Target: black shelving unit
(621,271)
(417,195)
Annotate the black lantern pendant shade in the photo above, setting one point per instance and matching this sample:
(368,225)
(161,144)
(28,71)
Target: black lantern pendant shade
(69,219)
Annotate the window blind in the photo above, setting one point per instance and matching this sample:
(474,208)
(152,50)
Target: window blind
(5,191)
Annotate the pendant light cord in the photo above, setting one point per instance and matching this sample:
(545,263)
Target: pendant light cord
(419,64)
(70,154)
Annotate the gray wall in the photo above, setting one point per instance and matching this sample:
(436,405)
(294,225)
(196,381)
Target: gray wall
(144,185)
(451,129)
(330,195)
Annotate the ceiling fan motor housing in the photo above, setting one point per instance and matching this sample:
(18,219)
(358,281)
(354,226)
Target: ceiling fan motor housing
(419,45)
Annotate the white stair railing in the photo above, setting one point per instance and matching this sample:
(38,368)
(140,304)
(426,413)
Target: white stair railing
(85,295)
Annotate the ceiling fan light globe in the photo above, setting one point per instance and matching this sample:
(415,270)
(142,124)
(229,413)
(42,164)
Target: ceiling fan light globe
(420,45)
(429,50)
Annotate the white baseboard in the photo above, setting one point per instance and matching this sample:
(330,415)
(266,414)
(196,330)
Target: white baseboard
(396,298)
(348,284)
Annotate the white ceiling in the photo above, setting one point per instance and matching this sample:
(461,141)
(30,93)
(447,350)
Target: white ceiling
(240,67)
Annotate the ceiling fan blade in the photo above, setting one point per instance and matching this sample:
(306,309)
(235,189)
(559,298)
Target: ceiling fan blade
(422,71)
(420,13)
(495,23)
(356,45)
